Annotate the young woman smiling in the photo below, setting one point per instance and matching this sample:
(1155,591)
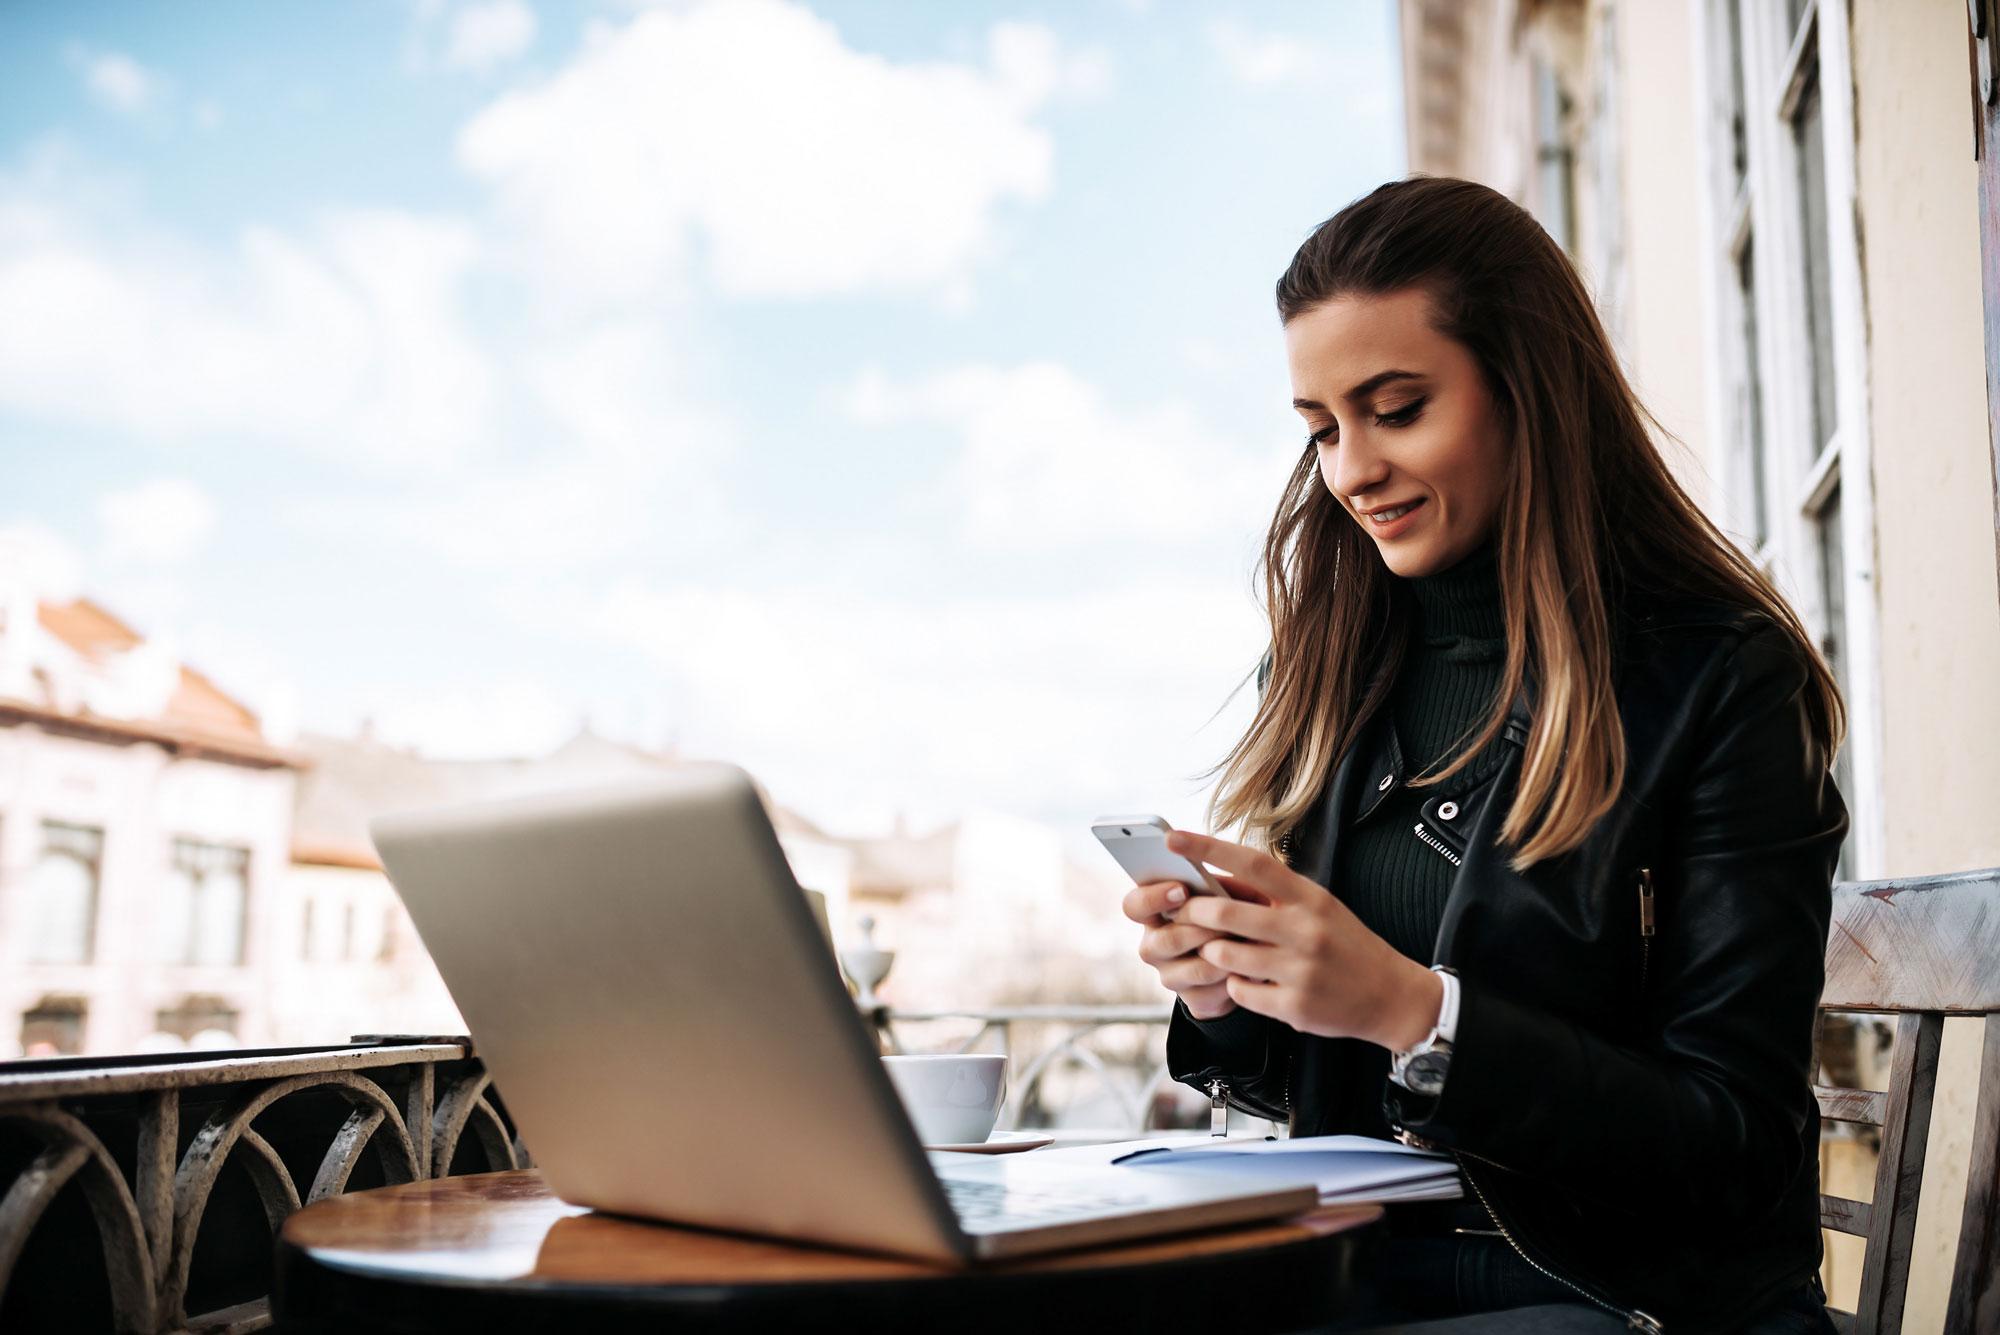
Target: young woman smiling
(1537,817)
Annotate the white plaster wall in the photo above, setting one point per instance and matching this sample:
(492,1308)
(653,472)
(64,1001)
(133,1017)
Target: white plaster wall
(142,799)
(1664,325)
(1940,605)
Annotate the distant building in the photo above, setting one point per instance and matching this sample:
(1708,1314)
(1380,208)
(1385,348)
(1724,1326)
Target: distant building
(170,878)
(145,826)
(357,964)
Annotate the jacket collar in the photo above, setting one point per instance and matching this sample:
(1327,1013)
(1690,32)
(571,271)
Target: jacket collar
(1373,768)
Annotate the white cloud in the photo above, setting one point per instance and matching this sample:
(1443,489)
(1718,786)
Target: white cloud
(849,705)
(531,518)
(117,81)
(1031,58)
(808,167)
(475,720)
(484,36)
(36,562)
(1266,58)
(1047,462)
(158,522)
(349,338)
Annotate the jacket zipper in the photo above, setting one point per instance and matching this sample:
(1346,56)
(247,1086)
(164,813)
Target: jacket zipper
(1645,924)
(1634,1318)
(1218,1101)
(1218,1088)
(1439,845)
(1291,1056)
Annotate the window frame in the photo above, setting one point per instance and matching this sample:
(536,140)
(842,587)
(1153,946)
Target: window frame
(1767,213)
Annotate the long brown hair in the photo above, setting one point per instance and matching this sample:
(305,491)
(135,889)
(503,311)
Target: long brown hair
(1590,515)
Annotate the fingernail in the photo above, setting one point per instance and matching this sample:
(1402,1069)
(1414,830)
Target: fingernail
(1177,894)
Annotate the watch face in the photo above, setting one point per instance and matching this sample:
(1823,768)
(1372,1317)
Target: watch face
(1425,1073)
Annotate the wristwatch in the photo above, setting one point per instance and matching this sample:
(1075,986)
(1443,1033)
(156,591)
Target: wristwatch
(1421,1069)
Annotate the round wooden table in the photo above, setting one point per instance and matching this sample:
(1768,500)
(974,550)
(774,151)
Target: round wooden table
(498,1252)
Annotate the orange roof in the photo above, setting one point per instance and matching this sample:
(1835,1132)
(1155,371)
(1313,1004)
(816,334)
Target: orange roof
(199,716)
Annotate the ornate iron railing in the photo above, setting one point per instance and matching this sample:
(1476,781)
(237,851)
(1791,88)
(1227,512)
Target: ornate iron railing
(142,1194)
(183,1169)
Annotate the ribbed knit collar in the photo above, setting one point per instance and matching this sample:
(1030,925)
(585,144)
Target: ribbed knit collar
(1460,605)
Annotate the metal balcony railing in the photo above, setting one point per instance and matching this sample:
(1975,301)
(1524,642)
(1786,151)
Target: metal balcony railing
(142,1194)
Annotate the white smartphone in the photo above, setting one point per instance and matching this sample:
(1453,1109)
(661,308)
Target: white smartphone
(1139,843)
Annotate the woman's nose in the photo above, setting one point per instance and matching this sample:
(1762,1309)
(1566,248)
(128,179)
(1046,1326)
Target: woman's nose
(1357,467)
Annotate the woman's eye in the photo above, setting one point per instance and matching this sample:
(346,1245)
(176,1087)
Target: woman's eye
(1403,416)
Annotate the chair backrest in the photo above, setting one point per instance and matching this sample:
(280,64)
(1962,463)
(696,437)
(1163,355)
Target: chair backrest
(1920,949)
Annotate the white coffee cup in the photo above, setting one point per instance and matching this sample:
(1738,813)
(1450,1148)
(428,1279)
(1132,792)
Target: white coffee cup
(952,1097)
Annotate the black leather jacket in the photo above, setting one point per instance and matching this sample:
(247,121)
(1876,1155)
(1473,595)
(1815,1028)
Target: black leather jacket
(1635,1110)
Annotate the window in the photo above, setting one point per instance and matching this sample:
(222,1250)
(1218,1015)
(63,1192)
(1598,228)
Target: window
(1792,434)
(208,896)
(1555,161)
(1833,594)
(1748,420)
(62,894)
(199,1021)
(1809,145)
(54,1027)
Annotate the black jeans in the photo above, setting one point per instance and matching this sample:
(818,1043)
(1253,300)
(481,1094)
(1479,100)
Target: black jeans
(1447,1283)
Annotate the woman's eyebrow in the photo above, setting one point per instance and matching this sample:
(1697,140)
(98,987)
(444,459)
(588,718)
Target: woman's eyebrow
(1362,390)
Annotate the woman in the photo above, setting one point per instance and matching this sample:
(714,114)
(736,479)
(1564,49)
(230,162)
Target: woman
(1561,754)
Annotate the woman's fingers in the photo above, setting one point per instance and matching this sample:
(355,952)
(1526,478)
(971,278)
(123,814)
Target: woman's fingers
(1262,998)
(1241,888)
(1252,922)
(1208,1003)
(1190,971)
(1246,959)
(1262,871)
(1150,902)
(1159,944)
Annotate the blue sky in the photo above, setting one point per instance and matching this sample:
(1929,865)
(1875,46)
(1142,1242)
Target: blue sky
(885,396)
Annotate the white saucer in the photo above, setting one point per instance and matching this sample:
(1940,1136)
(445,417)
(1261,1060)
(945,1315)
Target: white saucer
(1002,1142)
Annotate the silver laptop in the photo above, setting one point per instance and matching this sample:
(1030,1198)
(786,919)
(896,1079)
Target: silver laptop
(657,1003)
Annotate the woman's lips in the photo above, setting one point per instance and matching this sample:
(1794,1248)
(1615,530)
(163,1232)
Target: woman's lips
(1396,527)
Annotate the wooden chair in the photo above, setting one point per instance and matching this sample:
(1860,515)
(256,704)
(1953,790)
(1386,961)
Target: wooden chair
(1919,949)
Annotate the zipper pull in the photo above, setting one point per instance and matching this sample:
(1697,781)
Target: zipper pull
(1218,1108)
(1645,901)
(1643,1321)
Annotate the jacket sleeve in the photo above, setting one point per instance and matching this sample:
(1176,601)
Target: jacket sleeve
(1707,1118)
(1248,1052)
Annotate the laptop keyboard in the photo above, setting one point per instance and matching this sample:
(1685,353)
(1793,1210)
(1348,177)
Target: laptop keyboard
(1000,1204)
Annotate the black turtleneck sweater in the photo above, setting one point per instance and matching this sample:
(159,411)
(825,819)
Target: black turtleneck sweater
(1394,882)
(1450,677)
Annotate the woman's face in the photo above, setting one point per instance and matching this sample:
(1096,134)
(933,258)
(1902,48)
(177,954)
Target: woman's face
(1401,417)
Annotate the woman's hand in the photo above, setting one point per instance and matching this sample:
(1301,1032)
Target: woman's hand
(1295,953)
(1169,947)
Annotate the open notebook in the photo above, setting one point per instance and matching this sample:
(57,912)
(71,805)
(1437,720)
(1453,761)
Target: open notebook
(1345,1168)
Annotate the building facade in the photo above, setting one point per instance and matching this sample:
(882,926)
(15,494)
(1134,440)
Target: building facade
(1777,205)
(145,827)
(170,878)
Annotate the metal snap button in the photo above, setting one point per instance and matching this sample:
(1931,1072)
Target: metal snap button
(1383,786)
(1447,811)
